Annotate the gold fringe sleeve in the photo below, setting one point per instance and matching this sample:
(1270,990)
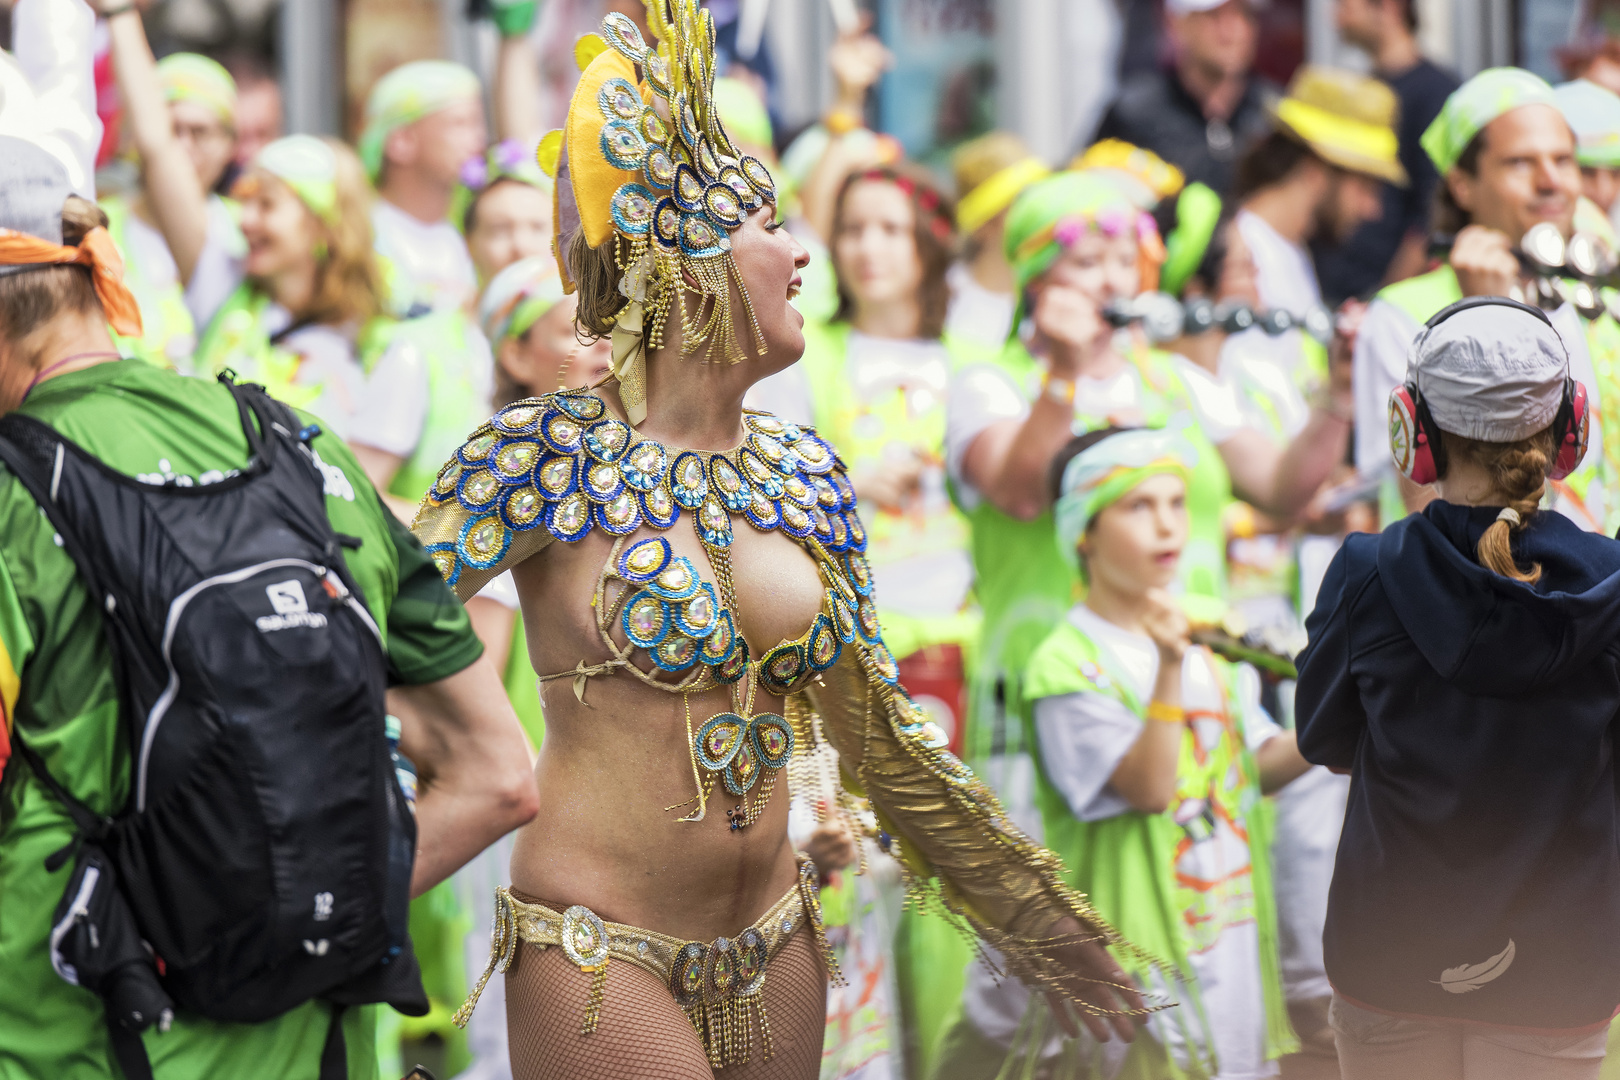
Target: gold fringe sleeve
(962,853)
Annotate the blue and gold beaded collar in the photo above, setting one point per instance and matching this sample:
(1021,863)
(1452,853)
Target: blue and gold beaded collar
(559,466)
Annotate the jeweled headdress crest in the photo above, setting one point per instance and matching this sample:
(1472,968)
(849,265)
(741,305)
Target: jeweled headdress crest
(646,164)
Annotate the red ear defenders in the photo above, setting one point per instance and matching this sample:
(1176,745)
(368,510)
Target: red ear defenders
(1420,454)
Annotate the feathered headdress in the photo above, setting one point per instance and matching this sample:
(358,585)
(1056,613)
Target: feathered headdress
(644,162)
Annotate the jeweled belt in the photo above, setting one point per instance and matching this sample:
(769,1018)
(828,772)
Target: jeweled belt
(719,985)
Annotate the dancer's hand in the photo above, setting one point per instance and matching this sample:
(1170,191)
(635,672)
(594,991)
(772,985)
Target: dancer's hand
(831,847)
(1093,969)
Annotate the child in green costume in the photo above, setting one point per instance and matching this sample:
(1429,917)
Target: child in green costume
(1153,759)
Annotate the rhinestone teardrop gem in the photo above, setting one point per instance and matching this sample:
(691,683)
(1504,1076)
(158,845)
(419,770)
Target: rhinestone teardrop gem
(447,480)
(481,487)
(515,459)
(555,475)
(524,506)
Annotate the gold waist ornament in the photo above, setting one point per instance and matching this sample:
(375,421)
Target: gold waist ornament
(719,985)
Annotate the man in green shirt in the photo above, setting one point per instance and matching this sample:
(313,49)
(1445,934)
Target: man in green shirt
(58,365)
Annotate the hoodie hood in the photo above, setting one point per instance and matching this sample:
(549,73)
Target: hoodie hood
(1487,634)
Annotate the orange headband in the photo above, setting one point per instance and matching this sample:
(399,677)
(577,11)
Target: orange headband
(98,252)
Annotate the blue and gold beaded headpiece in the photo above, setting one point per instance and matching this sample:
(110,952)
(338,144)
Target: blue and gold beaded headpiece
(644,162)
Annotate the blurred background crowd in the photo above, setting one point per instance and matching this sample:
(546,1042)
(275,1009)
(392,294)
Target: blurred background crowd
(343,201)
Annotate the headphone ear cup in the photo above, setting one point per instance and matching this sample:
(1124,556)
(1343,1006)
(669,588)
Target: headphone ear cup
(1573,438)
(1408,441)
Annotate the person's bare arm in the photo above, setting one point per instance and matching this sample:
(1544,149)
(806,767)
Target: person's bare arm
(517,93)
(474,782)
(173,193)
(380,467)
(1280,762)
(1010,461)
(493,622)
(1146,776)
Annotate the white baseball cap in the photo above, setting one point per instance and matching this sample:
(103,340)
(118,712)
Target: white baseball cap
(1490,371)
(1190,7)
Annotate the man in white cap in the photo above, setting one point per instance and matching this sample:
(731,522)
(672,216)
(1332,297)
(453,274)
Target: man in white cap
(424,122)
(1199,114)
(1506,158)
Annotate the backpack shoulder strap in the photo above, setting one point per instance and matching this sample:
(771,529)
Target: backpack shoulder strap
(34,452)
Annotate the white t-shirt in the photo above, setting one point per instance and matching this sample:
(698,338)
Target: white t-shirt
(984,394)
(430,257)
(398,391)
(933,582)
(1285,277)
(977,314)
(1379,366)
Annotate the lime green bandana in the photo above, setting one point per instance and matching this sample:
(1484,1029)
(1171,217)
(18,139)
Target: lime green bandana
(190,77)
(1198,211)
(405,95)
(1051,215)
(518,296)
(1476,103)
(743,113)
(1107,471)
(1593,113)
(308,166)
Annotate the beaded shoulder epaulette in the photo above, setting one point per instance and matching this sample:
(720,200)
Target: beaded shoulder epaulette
(563,464)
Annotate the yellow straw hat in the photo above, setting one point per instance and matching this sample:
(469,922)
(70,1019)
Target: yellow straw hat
(990,172)
(1346,119)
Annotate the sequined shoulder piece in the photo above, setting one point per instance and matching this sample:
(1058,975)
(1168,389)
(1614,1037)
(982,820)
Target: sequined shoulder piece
(559,466)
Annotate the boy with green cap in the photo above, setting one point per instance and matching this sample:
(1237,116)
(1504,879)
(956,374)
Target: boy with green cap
(424,121)
(1507,161)
(1152,759)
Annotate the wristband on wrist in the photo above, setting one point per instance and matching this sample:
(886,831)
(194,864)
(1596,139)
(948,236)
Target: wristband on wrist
(1165,714)
(121,9)
(841,122)
(1058,389)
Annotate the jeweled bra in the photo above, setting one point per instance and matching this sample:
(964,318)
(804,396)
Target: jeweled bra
(563,464)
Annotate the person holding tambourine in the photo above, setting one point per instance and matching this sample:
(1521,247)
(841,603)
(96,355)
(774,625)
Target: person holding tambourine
(1464,668)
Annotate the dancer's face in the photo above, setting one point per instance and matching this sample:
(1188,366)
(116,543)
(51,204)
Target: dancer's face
(768,262)
(1134,544)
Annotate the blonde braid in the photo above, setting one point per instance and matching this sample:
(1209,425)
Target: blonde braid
(1518,471)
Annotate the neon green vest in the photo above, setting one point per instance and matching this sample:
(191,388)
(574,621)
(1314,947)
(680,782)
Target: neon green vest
(1024,584)
(452,350)
(862,431)
(237,339)
(1127,863)
(168,332)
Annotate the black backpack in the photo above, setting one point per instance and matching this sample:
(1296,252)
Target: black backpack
(264,856)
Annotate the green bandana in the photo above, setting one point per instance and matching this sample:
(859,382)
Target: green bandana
(1107,471)
(308,166)
(190,77)
(1198,210)
(1035,223)
(517,296)
(1593,113)
(405,95)
(1476,103)
(743,114)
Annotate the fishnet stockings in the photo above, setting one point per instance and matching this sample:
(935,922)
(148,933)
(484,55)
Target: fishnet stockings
(642,1033)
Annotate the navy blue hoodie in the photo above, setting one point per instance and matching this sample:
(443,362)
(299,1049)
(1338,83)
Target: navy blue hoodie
(1478,876)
